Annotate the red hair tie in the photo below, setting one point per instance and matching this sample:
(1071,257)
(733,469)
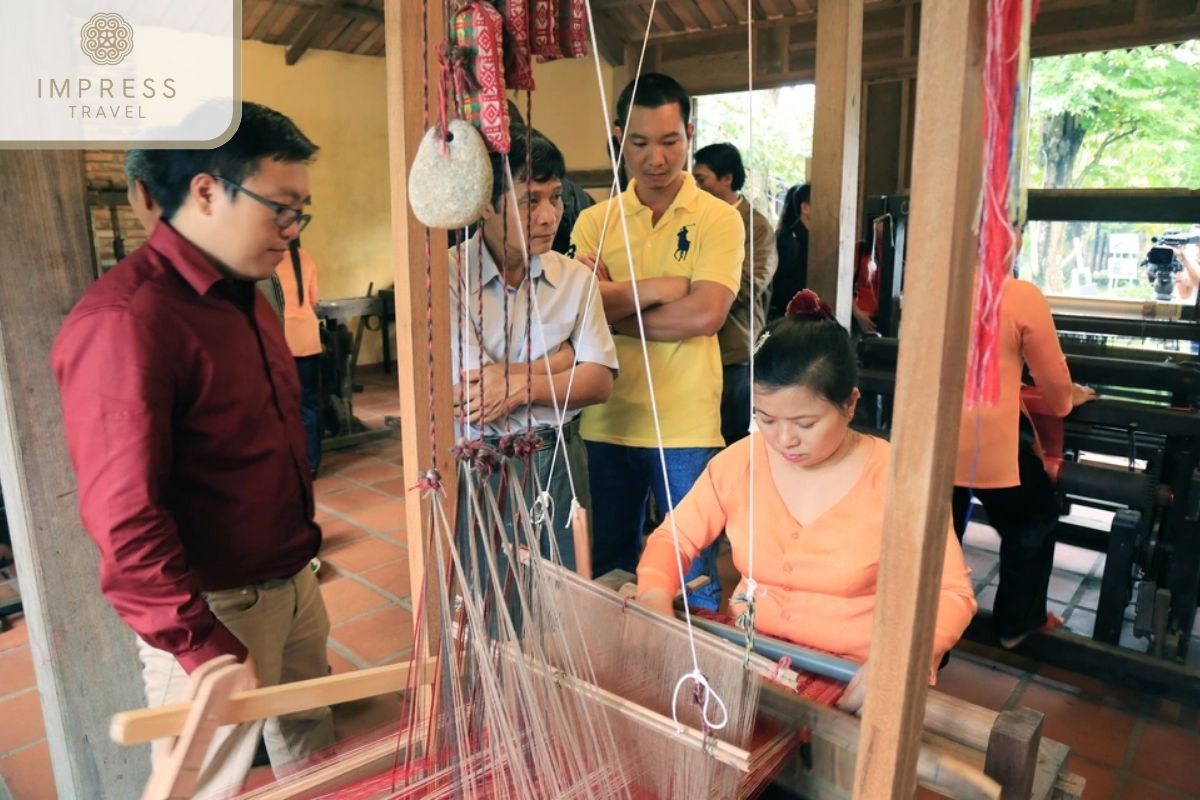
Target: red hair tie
(808,305)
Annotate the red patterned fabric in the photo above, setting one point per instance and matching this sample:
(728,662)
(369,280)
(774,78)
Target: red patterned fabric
(572,28)
(518,60)
(478,56)
(545,28)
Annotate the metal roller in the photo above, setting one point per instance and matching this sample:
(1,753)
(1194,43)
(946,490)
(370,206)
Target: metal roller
(1133,489)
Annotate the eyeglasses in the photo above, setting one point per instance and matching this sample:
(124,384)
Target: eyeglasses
(285,216)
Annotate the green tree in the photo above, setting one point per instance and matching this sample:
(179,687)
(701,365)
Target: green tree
(1112,119)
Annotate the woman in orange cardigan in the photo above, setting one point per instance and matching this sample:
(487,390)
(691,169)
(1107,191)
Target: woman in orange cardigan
(999,464)
(819,491)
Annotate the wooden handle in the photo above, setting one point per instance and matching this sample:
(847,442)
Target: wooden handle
(583,542)
(176,774)
(954,778)
(144,725)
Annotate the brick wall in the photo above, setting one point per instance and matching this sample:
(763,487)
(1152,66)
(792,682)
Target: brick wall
(106,173)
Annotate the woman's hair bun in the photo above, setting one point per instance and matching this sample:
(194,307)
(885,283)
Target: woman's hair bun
(807,304)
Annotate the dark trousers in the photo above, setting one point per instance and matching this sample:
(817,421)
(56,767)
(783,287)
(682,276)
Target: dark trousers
(309,368)
(1025,516)
(622,480)
(735,403)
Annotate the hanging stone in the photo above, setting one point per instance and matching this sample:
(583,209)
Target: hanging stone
(450,183)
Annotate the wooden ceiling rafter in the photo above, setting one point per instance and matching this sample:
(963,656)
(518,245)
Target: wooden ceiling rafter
(312,29)
(1065,26)
(737,8)
(693,18)
(340,43)
(268,20)
(668,19)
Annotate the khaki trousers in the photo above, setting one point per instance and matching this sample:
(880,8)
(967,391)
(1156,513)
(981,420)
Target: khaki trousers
(284,626)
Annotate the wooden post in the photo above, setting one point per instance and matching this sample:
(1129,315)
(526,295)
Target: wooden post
(84,656)
(835,154)
(947,168)
(419,419)
(1012,752)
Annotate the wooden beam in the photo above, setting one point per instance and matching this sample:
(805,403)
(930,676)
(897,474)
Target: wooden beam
(1115,205)
(314,28)
(426,427)
(365,13)
(372,39)
(83,655)
(295,25)
(1134,34)
(835,154)
(612,48)
(1012,752)
(695,17)
(932,365)
(352,29)
(264,25)
(147,724)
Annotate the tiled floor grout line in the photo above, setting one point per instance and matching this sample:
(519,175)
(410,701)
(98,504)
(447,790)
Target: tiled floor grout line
(403,602)
(1018,691)
(1080,590)
(22,748)
(1135,739)
(19,692)
(992,572)
(347,653)
(403,653)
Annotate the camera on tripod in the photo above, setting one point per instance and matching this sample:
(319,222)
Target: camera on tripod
(1162,262)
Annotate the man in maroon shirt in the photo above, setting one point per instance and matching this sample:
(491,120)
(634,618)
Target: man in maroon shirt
(181,405)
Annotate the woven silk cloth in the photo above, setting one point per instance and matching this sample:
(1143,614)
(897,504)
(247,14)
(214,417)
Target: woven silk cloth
(572,28)
(545,29)
(479,83)
(518,61)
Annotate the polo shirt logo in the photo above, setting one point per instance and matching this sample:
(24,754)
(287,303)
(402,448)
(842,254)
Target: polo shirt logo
(684,245)
(570,251)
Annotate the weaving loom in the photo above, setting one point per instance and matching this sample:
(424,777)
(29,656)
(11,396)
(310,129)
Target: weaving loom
(527,680)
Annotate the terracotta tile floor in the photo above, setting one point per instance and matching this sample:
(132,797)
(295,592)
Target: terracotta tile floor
(1126,746)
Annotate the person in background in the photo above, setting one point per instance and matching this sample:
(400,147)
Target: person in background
(998,462)
(687,249)
(718,170)
(507,384)
(574,198)
(791,244)
(866,288)
(297,276)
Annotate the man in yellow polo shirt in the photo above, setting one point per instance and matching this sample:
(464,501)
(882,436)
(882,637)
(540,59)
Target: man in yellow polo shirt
(674,253)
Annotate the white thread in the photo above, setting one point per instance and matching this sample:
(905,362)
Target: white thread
(696,677)
(662,454)
(754,348)
(542,509)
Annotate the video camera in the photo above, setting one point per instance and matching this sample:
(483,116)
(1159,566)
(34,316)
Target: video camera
(1162,262)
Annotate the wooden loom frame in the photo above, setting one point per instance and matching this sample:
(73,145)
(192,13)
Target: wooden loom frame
(960,745)
(950,70)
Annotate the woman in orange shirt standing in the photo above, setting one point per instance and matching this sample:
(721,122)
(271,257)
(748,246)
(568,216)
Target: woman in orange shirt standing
(298,279)
(999,465)
(818,498)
